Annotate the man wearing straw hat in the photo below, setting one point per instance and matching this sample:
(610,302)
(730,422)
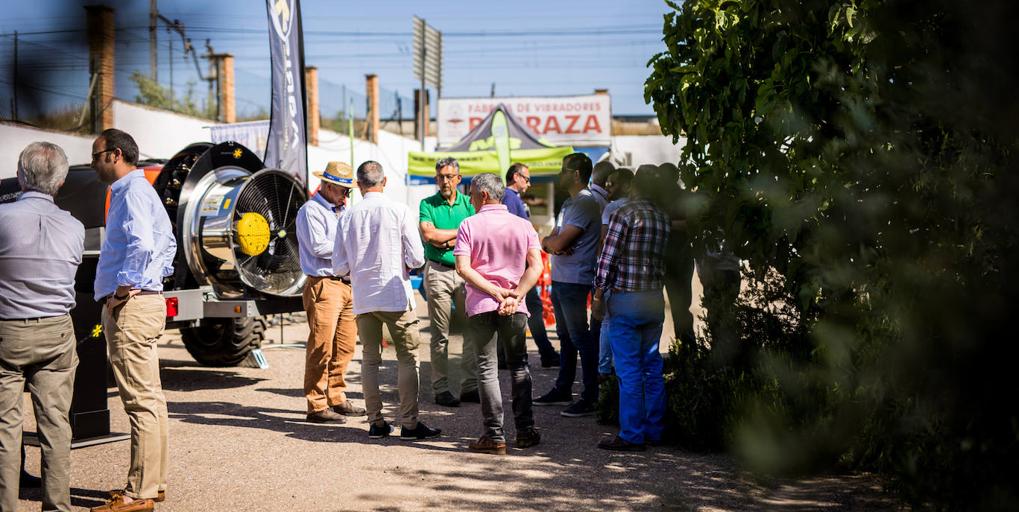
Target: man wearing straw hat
(327,300)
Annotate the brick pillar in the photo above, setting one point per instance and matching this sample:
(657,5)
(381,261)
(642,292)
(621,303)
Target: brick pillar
(311,89)
(227,99)
(371,85)
(101,31)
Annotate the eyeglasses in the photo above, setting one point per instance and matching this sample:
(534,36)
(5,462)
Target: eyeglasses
(95,156)
(526,178)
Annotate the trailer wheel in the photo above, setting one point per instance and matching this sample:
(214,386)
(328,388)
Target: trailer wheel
(223,341)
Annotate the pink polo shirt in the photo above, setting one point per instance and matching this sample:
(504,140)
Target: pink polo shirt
(497,242)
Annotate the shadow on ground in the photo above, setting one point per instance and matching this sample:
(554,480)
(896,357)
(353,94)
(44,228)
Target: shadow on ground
(565,472)
(85,498)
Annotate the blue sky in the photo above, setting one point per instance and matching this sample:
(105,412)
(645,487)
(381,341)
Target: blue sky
(524,47)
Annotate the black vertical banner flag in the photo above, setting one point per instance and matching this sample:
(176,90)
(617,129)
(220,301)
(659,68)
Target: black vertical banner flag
(287,147)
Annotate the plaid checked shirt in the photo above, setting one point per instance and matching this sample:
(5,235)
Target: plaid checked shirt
(633,258)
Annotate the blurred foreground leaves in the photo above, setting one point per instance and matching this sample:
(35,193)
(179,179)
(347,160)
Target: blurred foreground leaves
(861,158)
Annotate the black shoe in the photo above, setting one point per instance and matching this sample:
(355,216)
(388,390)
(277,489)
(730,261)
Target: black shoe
(550,362)
(419,432)
(326,416)
(528,438)
(553,397)
(470,397)
(617,444)
(29,481)
(446,399)
(379,430)
(579,408)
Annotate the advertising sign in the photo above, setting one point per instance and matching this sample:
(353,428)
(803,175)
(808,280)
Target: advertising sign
(559,120)
(287,147)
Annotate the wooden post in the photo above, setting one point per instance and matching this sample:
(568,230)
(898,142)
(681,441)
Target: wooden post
(314,121)
(101,31)
(371,84)
(227,99)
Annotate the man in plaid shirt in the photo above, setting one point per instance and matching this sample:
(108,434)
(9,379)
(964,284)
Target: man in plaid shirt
(631,270)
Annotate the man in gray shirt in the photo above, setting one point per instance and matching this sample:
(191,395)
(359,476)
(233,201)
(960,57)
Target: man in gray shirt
(40,249)
(574,249)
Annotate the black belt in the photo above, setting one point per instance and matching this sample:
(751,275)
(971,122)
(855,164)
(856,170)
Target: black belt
(443,265)
(345,279)
(35,319)
(142,292)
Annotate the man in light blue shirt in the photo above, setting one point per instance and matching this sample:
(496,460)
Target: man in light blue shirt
(40,250)
(328,300)
(135,257)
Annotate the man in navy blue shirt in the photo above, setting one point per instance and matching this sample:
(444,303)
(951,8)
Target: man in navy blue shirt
(518,180)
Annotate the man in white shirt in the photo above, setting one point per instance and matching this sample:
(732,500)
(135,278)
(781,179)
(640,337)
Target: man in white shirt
(327,300)
(378,244)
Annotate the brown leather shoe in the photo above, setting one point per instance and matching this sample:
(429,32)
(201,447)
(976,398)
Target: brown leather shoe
(325,416)
(486,444)
(347,408)
(117,505)
(160,496)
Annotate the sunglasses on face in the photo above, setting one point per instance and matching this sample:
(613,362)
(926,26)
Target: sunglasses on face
(95,156)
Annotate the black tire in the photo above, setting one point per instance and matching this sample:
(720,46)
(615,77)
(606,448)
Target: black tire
(223,341)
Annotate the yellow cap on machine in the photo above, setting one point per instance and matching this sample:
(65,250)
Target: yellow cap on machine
(252,234)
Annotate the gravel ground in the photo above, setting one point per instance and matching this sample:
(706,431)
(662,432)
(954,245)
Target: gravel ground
(239,442)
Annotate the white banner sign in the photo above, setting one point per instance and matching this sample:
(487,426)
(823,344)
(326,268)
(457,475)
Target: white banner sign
(561,120)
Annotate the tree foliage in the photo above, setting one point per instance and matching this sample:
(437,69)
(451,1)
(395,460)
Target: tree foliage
(151,93)
(860,156)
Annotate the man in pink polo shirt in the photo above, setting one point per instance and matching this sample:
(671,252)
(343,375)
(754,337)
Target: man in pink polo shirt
(499,257)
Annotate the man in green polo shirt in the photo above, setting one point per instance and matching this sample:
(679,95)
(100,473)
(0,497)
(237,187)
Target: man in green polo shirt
(441,215)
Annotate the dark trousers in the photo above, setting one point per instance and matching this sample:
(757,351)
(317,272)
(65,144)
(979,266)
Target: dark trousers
(679,286)
(569,301)
(536,323)
(484,331)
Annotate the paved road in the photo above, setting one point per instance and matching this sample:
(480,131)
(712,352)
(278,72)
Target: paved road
(239,442)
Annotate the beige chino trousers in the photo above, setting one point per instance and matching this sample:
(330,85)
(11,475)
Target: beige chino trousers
(403,326)
(41,351)
(132,331)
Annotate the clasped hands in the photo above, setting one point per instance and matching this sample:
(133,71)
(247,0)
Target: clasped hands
(509,300)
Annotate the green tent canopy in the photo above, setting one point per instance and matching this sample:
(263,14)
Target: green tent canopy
(492,146)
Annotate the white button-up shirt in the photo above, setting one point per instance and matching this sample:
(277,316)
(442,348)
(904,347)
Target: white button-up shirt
(316,236)
(377,243)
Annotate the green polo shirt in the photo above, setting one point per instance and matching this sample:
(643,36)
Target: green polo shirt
(442,215)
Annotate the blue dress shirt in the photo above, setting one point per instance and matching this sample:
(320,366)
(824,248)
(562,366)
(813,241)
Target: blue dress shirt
(316,236)
(514,204)
(40,250)
(140,247)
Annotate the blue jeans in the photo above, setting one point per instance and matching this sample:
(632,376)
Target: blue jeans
(569,301)
(635,329)
(604,348)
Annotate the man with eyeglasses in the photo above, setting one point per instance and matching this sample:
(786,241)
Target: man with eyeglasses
(328,300)
(136,256)
(518,180)
(440,218)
